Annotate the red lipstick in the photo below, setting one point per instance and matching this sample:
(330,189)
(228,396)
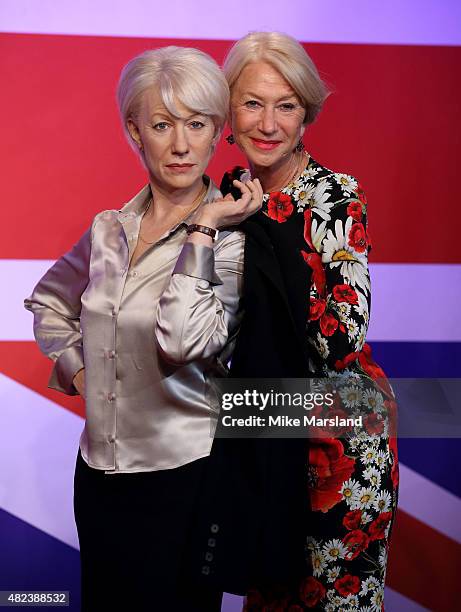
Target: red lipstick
(265,145)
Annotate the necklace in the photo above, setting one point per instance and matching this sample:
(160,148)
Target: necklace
(195,204)
(299,167)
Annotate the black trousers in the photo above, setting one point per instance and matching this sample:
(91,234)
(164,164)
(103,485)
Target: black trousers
(134,530)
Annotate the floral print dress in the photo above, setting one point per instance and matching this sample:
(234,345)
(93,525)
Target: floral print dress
(353,479)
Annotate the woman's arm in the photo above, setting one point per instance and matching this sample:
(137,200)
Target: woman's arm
(199,308)
(340,290)
(55,304)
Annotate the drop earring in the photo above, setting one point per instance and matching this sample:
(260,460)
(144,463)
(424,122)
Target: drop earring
(300,146)
(230,139)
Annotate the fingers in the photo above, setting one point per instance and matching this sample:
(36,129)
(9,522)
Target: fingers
(255,190)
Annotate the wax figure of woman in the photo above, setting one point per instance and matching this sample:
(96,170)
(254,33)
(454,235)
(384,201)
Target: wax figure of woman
(311,316)
(138,318)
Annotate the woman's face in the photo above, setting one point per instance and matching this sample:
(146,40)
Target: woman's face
(266,115)
(176,150)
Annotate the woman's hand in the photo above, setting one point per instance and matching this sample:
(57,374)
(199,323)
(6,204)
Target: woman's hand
(79,382)
(227,212)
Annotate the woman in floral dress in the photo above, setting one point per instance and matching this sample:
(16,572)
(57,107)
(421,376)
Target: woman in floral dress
(322,215)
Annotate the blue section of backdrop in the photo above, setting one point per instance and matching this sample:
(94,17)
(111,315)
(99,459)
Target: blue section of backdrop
(437,459)
(34,561)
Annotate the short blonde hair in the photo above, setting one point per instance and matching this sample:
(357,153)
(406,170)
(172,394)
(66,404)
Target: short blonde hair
(287,56)
(189,75)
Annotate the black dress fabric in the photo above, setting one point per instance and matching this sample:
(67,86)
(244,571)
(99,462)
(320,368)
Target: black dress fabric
(133,531)
(254,492)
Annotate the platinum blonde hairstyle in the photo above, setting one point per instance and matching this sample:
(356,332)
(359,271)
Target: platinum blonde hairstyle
(177,73)
(287,56)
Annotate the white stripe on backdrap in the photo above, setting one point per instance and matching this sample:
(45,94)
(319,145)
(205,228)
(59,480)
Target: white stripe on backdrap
(425,22)
(429,503)
(38,449)
(410,302)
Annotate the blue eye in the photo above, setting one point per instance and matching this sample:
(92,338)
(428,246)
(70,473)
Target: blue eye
(197,125)
(161,126)
(287,107)
(252,104)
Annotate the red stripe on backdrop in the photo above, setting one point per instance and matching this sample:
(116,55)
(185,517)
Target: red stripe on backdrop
(24,363)
(424,564)
(392,121)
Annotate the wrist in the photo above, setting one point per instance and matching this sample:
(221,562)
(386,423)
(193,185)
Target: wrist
(206,220)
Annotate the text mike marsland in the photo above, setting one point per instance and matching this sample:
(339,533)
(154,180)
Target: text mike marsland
(286,421)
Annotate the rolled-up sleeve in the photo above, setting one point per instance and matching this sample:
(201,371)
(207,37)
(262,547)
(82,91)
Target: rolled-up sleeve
(200,307)
(56,305)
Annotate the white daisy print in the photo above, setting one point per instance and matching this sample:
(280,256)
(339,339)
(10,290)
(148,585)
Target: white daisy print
(360,340)
(369,585)
(334,549)
(352,328)
(335,599)
(373,475)
(365,518)
(383,557)
(318,563)
(380,459)
(351,396)
(377,600)
(338,252)
(364,498)
(333,573)
(368,455)
(349,490)
(352,601)
(317,234)
(316,197)
(373,400)
(322,346)
(383,501)
(343,309)
(348,183)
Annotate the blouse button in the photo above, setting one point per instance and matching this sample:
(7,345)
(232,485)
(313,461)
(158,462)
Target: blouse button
(112,354)
(111,397)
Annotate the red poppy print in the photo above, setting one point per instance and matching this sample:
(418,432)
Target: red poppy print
(307,227)
(314,261)
(347,585)
(345,293)
(395,464)
(374,424)
(356,542)
(333,430)
(357,237)
(312,591)
(353,519)
(340,364)
(354,210)
(373,370)
(328,324)
(328,469)
(377,528)
(361,194)
(317,308)
(279,206)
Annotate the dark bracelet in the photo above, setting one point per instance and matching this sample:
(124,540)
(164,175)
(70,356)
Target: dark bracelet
(209,231)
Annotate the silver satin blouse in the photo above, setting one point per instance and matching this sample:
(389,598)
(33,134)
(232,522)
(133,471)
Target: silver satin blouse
(151,337)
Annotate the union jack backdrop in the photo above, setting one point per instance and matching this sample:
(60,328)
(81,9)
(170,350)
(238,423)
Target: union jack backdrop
(392,121)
